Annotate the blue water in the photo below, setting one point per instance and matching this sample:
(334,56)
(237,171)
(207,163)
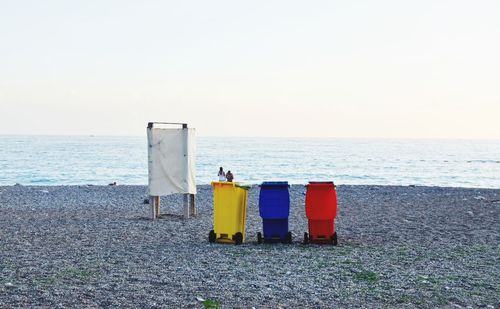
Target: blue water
(57,160)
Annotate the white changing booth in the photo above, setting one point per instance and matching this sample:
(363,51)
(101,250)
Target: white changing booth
(171,164)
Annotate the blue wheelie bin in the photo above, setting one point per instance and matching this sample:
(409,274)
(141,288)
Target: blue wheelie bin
(274,208)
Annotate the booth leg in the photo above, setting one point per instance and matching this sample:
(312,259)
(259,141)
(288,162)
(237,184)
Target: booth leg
(192,204)
(158,212)
(186,206)
(154,201)
(153,207)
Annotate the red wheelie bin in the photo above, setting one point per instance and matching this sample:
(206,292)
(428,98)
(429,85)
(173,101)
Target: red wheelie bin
(321,211)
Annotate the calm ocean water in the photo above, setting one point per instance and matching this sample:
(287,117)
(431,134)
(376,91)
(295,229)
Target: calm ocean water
(58,160)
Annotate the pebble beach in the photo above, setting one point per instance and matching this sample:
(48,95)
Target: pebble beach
(399,246)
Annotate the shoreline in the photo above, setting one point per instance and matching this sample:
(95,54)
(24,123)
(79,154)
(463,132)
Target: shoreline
(95,246)
(247,184)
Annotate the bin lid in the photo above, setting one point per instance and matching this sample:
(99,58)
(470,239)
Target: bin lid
(275,184)
(320,183)
(243,186)
(232,184)
(222,183)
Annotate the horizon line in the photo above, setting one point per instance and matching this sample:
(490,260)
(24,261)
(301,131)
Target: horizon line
(265,137)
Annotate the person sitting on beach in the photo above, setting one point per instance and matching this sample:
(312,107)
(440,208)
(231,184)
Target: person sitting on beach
(221,174)
(229,176)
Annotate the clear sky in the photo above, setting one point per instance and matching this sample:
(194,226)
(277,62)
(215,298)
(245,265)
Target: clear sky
(392,69)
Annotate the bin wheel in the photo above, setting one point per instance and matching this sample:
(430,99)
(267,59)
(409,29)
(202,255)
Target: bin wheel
(259,237)
(306,238)
(288,238)
(211,236)
(334,239)
(238,238)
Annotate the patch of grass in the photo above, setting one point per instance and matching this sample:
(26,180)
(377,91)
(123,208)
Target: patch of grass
(68,273)
(483,285)
(452,277)
(482,248)
(367,276)
(428,280)
(458,253)
(48,280)
(440,299)
(322,264)
(405,299)
(76,273)
(210,304)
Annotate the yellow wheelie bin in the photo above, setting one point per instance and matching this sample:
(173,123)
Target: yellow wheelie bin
(230,212)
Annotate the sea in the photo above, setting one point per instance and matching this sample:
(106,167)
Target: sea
(99,160)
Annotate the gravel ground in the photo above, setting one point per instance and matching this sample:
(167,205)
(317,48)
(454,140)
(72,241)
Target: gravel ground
(94,246)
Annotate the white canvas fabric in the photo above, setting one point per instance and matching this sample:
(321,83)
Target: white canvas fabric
(171,161)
